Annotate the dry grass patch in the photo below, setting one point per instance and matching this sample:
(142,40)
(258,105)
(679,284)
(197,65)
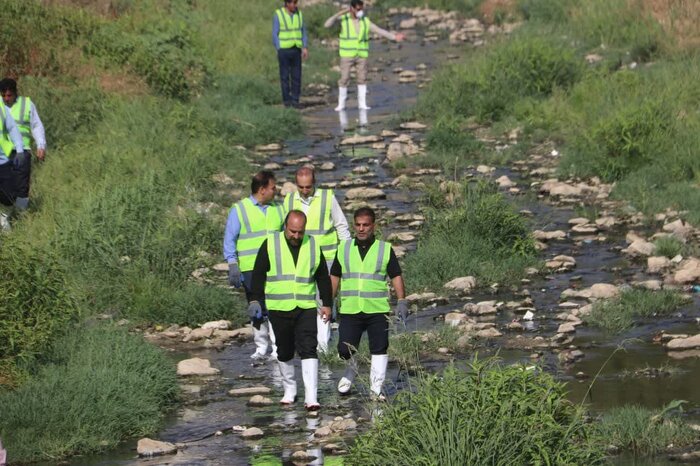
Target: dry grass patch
(679,18)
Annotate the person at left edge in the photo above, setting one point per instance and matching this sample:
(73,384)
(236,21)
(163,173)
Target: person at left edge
(289,270)
(291,42)
(30,127)
(249,222)
(11,146)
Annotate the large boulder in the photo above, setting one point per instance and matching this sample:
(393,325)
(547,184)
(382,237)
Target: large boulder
(604,291)
(680,344)
(196,366)
(640,247)
(360,139)
(365,193)
(688,272)
(461,284)
(657,264)
(148,447)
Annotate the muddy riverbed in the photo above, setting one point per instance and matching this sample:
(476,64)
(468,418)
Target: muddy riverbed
(208,409)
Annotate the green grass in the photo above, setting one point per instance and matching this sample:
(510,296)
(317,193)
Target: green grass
(669,246)
(95,388)
(479,235)
(488,414)
(620,314)
(645,432)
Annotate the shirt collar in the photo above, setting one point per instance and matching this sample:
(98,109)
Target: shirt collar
(366,243)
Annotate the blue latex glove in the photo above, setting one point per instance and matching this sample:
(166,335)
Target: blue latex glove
(254,310)
(234,275)
(402,310)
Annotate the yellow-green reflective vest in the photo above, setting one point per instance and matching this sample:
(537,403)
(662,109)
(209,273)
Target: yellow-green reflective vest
(354,43)
(255,226)
(289,286)
(21,112)
(319,219)
(363,285)
(290,34)
(5,142)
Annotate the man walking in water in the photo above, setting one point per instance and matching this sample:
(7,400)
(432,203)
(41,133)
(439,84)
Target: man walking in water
(355,28)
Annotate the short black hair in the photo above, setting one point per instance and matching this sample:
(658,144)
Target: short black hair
(365,212)
(295,212)
(261,180)
(288,1)
(8,84)
(355,3)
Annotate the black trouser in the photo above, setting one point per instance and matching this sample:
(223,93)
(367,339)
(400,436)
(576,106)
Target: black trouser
(353,325)
(23,170)
(247,286)
(8,183)
(290,74)
(295,330)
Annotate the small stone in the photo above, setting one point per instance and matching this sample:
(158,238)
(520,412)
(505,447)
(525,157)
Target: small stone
(302,456)
(147,447)
(322,432)
(485,169)
(196,366)
(578,221)
(252,433)
(365,193)
(327,166)
(198,334)
(443,350)
(250,391)
(360,139)
(488,333)
(657,264)
(505,182)
(272,166)
(566,328)
(259,400)
(454,319)
(274,147)
(413,125)
(680,344)
(218,325)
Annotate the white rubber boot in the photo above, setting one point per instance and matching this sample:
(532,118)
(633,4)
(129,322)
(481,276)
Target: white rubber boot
(273,341)
(362,97)
(288,382)
(309,371)
(343,117)
(363,119)
(5,222)
(377,374)
(261,339)
(342,97)
(345,382)
(323,333)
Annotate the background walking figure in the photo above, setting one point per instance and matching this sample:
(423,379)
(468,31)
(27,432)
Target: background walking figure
(291,42)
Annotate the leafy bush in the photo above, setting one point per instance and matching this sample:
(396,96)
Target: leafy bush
(490,414)
(619,314)
(98,386)
(479,235)
(644,431)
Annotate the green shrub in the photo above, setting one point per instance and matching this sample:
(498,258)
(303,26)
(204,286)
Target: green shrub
(36,301)
(98,387)
(490,414)
(644,431)
(619,314)
(479,235)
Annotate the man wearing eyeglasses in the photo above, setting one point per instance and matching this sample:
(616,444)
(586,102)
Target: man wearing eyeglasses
(291,42)
(355,28)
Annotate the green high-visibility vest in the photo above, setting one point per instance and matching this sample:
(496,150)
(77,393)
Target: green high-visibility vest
(354,43)
(319,219)
(290,34)
(5,143)
(363,285)
(21,112)
(288,285)
(255,226)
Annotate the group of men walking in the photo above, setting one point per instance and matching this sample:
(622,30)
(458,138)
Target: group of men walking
(290,38)
(293,260)
(20,126)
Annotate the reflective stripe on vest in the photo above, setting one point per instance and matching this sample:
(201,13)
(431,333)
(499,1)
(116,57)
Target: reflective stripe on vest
(21,112)
(255,226)
(290,34)
(363,285)
(319,220)
(353,43)
(5,143)
(288,285)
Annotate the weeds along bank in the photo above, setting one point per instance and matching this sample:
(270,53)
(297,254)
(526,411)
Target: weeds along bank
(611,83)
(143,103)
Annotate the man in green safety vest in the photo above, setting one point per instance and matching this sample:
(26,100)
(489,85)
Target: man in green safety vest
(291,42)
(249,222)
(30,127)
(11,147)
(325,221)
(359,276)
(289,271)
(355,29)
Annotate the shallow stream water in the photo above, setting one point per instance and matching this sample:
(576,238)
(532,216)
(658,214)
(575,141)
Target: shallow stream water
(209,409)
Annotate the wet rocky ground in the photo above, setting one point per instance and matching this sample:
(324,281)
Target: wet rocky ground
(591,248)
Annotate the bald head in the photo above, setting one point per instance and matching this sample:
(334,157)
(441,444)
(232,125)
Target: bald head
(305,181)
(294,227)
